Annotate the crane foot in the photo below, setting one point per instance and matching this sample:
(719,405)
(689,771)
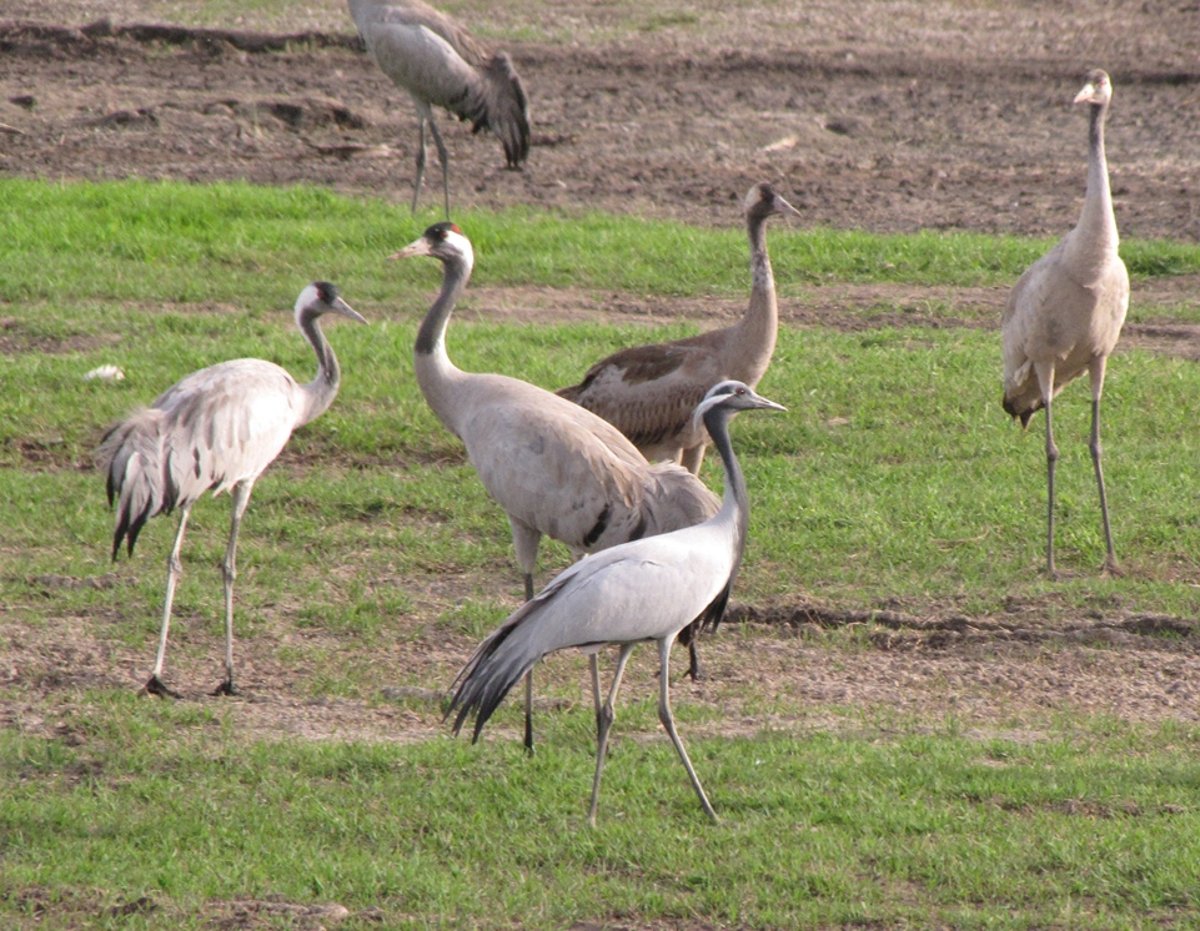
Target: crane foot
(225,688)
(154,686)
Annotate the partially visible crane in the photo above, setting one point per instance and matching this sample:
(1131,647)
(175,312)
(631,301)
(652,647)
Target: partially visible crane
(1066,311)
(439,63)
(219,429)
(647,589)
(555,468)
(649,392)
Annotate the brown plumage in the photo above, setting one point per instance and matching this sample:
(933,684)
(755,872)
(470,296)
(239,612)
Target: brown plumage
(1065,313)
(649,392)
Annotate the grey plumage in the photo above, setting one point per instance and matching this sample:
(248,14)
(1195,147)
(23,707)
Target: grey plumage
(439,63)
(217,429)
(1066,311)
(649,392)
(647,589)
(554,468)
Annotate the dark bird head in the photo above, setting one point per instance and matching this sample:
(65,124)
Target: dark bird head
(443,241)
(321,297)
(728,397)
(763,201)
(1097,89)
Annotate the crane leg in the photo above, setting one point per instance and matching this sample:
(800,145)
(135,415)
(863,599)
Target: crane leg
(241,498)
(154,685)
(1045,376)
(529,712)
(419,180)
(1110,560)
(694,660)
(594,668)
(606,717)
(668,723)
(691,458)
(445,159)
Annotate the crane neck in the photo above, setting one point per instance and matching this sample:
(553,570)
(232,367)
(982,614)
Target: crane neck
(735,504)
(1097,219)
(431,363)
(760,323)
(321,391)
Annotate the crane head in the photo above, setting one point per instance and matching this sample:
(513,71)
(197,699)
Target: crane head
(1097,90)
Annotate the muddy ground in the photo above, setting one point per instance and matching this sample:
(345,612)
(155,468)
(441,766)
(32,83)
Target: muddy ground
(886,116)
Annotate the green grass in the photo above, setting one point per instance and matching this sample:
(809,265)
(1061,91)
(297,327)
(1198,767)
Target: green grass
(894,479)
(1080,828)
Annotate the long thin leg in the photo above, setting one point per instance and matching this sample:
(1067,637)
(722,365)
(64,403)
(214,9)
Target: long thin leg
(1045,375)
(241,498)
(445,159)
(594,668)
(525,543)
(607,716)
(154,684)
(668,722)
(421,119)
(1097,380)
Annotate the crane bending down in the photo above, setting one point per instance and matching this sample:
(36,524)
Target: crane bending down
(649,392)
(219,429)
(1065,313)
(555,468)
(439,63)
(648,589)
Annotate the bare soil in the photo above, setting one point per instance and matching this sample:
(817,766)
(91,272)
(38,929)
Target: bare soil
(885,116)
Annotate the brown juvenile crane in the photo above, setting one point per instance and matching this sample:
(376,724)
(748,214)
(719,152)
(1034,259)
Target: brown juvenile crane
(649,392)
(1065,313)
(439,63)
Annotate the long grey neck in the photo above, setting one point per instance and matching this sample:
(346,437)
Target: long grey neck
(761,321)
(1097,219)
(735,504)
(432,364)
(321,391)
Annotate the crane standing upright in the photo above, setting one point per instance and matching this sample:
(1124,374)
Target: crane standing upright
(219,429)
(1066,311)
(647,589)
(439,63)
(555,468)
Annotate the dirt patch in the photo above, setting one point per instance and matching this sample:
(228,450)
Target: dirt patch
(888,116)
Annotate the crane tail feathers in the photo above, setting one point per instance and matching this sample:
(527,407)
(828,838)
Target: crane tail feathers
(137,481)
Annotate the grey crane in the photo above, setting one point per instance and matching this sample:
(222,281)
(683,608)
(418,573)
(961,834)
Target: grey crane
(1065,313)
(219,429)
(649,392)
(555,468)
(439,63)
(647,589)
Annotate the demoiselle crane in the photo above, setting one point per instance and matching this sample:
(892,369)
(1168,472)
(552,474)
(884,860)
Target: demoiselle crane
(647,589)
(649,392)
(555,468)
(1065,313)
(439,63)
(217,429)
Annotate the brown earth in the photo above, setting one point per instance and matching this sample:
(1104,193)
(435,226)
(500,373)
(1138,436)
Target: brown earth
(893,117)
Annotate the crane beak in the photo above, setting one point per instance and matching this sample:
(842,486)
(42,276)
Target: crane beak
(1087,94)
(784,209)
(419,247)
(341,307)
(758,402)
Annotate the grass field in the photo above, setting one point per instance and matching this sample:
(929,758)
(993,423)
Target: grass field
(894,479)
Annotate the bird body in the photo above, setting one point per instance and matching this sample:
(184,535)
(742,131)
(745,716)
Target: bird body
(216,429)
(440,64)
(650,391)
(1065,313)
(647,589)
(554,467)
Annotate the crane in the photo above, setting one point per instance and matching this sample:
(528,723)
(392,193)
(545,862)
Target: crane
(647,589)
(439,63)
(649,392)
(1065,313)
(219,429)
(555,468)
